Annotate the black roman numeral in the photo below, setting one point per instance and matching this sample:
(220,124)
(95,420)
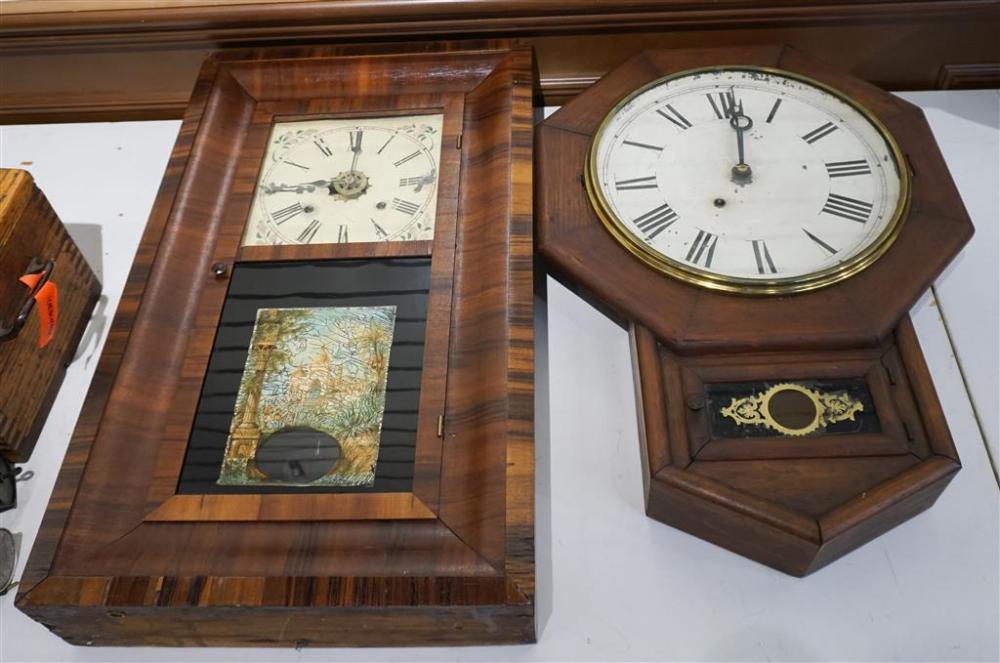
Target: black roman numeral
(412,155)
(847,208)
(674,116)
(702,247)
(820,242)
(356,137)
(418,181)
(636,183)
(323,147)
(342,233)
(848,168)
(405,206)
(774,109)
(820,132)
(655,221)
(285,213)
(645,145)
(727,105)
(763,257)
(379,230)
(297,165)
(386,143)
(310,232)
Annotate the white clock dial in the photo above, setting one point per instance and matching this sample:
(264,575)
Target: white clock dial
(747,177)
(347,180)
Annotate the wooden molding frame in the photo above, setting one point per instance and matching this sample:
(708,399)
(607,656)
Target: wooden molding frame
(295,508)
(133,63)
(969,76)
(122,559)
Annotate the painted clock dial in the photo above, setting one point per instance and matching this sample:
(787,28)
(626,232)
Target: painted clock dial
(747,180)
(347,180)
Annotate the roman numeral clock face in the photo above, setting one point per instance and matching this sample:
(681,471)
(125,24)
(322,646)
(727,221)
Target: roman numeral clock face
(747,180)
(347,180)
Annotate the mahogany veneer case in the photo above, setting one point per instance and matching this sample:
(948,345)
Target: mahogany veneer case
(31,235)
(125,557)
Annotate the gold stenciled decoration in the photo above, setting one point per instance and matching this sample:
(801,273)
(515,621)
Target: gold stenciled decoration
(803,410)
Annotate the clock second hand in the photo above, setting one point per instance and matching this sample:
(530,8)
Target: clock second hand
(742,172)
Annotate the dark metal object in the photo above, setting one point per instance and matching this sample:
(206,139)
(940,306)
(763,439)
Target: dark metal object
(9,476)
(10,543)
(36,266)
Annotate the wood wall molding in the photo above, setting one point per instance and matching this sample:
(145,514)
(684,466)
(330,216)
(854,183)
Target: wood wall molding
(140,63)
(969,76)
(354,19)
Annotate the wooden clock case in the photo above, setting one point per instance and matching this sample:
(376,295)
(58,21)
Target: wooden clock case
(123,559)
(794,503)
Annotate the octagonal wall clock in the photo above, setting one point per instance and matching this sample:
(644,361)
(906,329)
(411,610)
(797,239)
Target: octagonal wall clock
(764,222)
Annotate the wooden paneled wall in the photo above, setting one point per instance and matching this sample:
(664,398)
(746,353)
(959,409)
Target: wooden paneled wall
(97,59)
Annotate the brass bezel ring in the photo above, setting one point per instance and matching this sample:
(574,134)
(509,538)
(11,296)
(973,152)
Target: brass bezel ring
(744,286)
(765,409)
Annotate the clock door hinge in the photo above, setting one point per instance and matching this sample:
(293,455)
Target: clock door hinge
(440,430)
(888,371)
(458,142)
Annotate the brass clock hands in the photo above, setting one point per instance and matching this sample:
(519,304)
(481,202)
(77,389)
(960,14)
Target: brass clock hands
(356,148)
(348,184)
(304,187)
(742,173)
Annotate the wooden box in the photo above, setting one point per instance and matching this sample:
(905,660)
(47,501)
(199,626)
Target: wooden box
(31,235)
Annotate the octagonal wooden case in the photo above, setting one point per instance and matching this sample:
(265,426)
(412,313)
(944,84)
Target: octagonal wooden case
(793,502)
(859,311)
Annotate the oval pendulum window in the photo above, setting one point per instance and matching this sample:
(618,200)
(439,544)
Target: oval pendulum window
(298,455)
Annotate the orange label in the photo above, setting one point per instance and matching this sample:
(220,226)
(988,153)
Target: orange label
(47,305)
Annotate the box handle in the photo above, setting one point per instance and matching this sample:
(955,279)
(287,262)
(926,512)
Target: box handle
(44,270)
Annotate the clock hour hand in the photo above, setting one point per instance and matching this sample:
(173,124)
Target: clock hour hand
(304,187)
(742,174)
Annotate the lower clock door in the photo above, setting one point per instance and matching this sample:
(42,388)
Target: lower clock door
(792,460)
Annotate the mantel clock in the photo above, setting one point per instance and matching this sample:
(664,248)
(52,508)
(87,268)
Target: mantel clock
(312,423)
(764,222)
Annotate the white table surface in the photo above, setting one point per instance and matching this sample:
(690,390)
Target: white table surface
(613,584)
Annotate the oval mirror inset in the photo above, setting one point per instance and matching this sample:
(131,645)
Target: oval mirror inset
(297,455)
(792,409)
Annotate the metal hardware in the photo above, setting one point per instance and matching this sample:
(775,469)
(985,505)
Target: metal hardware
(36,266)
(888,371)
(828,408)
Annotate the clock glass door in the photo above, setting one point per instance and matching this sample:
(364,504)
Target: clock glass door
(326,371)
(365,179)
(749,180)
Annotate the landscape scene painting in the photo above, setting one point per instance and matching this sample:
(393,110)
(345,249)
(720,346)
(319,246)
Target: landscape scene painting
(323,369)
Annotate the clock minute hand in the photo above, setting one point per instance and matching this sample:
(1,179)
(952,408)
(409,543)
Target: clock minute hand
(356,148)
(742,173)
